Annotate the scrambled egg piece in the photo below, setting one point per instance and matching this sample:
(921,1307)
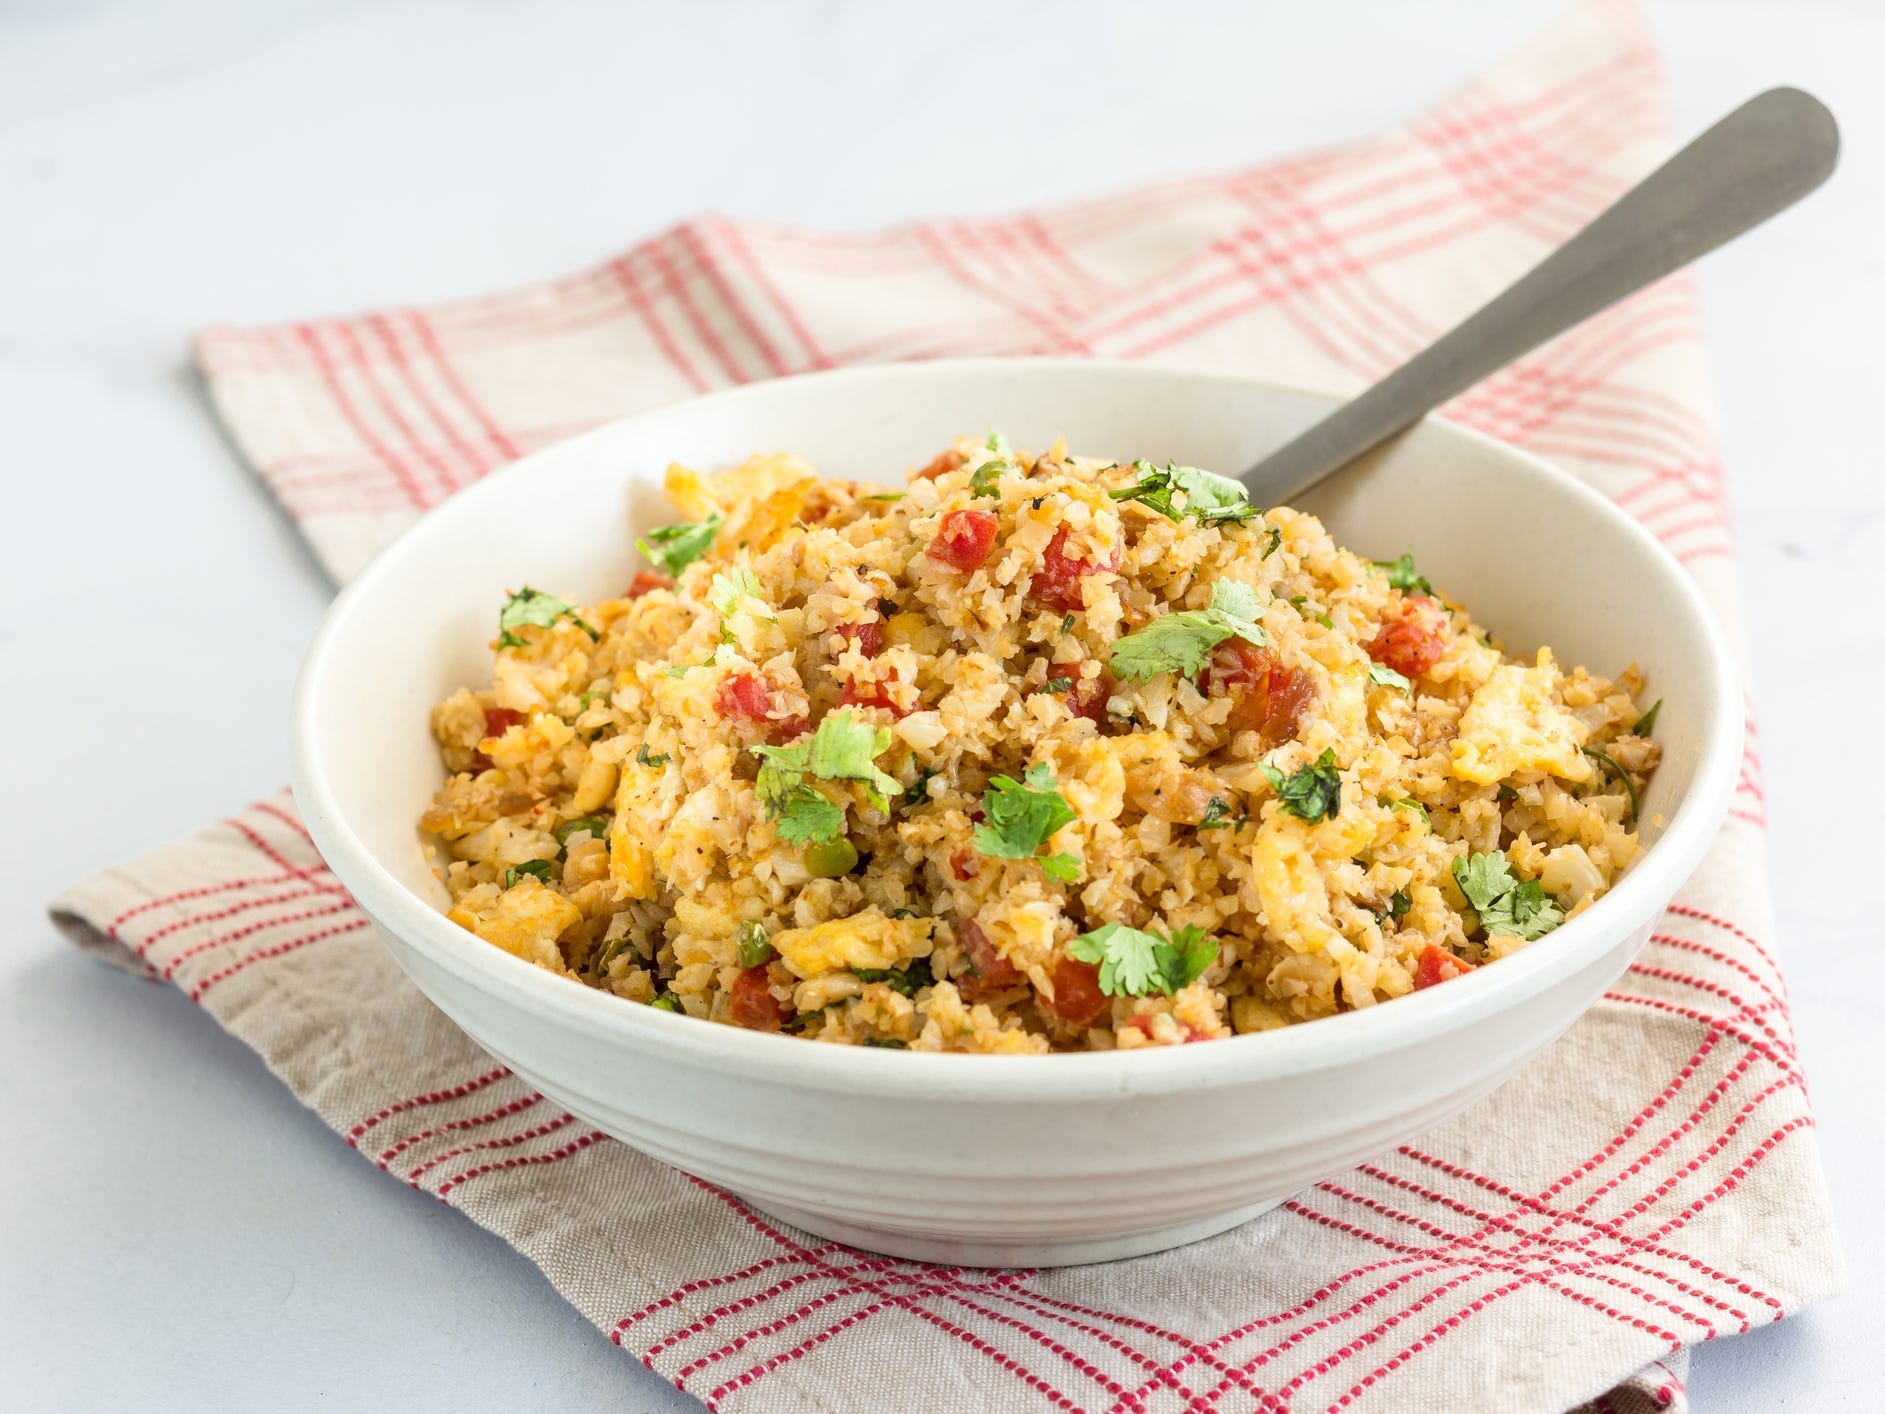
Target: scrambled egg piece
(752,481)
(1286,869)
(867,939)
(1514,723)
(524,920)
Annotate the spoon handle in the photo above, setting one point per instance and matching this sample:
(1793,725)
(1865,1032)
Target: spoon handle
(1754,163)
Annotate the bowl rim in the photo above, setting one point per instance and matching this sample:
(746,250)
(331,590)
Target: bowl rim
(1343,1039)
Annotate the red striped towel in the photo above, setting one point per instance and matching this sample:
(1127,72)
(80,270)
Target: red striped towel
(1554,1245)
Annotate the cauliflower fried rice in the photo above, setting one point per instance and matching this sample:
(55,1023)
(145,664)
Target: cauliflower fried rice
(1035,753)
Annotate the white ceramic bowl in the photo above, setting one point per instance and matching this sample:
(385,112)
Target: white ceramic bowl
(1003,1160)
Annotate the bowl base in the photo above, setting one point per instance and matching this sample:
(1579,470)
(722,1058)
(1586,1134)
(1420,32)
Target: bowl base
(948,1249)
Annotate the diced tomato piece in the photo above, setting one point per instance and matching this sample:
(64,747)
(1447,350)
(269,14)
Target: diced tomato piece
(497,721)
(869,637)
(1438,965)
(1077,997)
(1413,642)
(1057,582)
(945,463)
(743,695)
(1270,696)
(1088,696)
(791,729)
(965,538)
(871,694)
(646,582)
(965,865)
(750,1002)
(993,972)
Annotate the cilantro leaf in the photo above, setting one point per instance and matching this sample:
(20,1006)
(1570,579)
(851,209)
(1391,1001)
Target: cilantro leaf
(887,496)
(1403,576)
(1182,642)
(657,760)
(1180,491)
(1506,905)
(1057,685)
(732,588)
(1061,868)
(1399,903)
(1312,792)
(996,442)
(1407,802)
(672,548)
(807,816)
(535,608)
(1174,643)
(1217,815)
(905,981)
(597,827)
(1136,962)
(1384,676)
(1021,816)
(983,480)
(842,749)
(536,868)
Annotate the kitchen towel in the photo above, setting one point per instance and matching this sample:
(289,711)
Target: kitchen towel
(1649,1182)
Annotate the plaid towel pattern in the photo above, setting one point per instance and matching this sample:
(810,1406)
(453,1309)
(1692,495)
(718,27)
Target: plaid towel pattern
(1650,1182)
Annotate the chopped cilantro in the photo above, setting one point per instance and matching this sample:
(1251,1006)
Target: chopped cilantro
(537,868)
(1399,903)
(1182,642)
(1407,802)
(596,825)
(1057,685)
(889,608)
(755,944)
(1217,815)
(1312,792)
(667,1001)
(535,608)
(1384,676)
(1273,544)
(983,480)
(1506,905)
(1646,723)
(657,760)
(808,815)
(905,981)
(1298,600)
(1137,962)
(673,548)
(842,749)
(1629,786)
(887,1044)
(1023,815)
(1066,627)
(611,949)
(887,496)
(729,590)
(588,699)
(996,442)
(1402,575)
(1180,491)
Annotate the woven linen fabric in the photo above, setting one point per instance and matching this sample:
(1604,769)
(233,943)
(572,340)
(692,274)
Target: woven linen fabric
(1649,1182)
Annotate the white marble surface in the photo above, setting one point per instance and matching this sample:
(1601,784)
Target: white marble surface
(174,1232)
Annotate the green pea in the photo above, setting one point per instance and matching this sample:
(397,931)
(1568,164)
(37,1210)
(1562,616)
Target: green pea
(830,859)
(755,944)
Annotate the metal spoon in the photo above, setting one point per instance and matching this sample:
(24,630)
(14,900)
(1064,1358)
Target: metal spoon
(1753,164)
